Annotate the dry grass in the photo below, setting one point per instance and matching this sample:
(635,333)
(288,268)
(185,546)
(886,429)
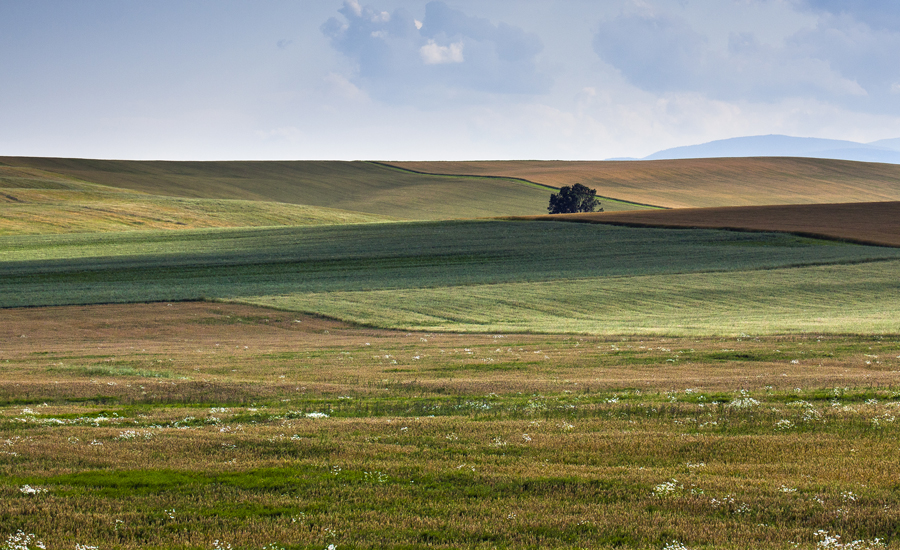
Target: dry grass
(868,223)
(702,182)
(435,440)
(355,186)
(38,202)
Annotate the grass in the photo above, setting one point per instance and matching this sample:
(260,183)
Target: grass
(298,432)
(702,182)
(361,187)
(476,275)
(858,299)
(37,202)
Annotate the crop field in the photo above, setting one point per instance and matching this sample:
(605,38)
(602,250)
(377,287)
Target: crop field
(361,187)
(478,276)
(702,182)
(202,425)
(37,203)
(870,223)
(316,356)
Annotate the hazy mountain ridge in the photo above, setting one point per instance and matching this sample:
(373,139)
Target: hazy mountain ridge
(774,145)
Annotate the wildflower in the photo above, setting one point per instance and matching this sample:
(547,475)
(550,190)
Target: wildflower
(784,424)
(666,488)
(316,415)
(744,401)
(29,490)
(675,545)
(21,541)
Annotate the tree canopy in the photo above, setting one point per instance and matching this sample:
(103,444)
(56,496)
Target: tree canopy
(577,198)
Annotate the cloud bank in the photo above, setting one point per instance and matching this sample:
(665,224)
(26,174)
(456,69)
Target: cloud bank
(848,58)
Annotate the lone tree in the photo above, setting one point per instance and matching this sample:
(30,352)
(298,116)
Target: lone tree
(577,198)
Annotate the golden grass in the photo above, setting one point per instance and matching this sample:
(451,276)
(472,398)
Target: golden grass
(702,182)
(355,186)
(868,223)
(38,202)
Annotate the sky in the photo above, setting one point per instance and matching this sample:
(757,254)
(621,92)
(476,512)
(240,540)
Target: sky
(438,79)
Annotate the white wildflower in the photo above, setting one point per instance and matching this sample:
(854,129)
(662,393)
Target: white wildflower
(20,540)
(666,488)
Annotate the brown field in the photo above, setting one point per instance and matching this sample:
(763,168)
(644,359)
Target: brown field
(701,182)
(869,223)
(230,345)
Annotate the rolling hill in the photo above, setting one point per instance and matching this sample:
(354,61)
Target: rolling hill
(702,182)
(365,187)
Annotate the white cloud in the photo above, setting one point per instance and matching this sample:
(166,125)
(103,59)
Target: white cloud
(433,54)
(353,5)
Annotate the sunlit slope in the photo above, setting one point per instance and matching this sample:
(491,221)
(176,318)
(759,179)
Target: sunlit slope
(702,182)
(357,186)
(38,202)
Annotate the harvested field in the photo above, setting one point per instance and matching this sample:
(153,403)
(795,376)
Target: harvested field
(868,223)
(701,182)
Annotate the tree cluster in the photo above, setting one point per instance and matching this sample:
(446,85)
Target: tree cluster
(577,198)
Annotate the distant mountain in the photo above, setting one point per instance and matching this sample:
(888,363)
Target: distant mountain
(885,150)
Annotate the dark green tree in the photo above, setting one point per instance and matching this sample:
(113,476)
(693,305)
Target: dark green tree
(577,198)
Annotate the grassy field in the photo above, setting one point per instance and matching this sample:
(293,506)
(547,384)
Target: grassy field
(703,182)
(38,202)
(478,275)
(546,385)
(223,426)
(361,187)
(837,299)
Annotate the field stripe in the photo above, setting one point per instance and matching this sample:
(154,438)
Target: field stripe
(862,298)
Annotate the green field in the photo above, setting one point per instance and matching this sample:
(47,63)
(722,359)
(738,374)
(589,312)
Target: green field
(477,275)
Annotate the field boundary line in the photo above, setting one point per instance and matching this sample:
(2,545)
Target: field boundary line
(511,178)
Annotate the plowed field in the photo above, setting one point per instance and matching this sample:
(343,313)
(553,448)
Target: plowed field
(870,223)
(701,182)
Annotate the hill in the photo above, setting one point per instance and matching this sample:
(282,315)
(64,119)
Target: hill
(870,223)
(702,182)
(356,186)
(39,202)
(884,150)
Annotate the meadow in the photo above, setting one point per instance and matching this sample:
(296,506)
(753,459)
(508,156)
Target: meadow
(191,356)
(199,425)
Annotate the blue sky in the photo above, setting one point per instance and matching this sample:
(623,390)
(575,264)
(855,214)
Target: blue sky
(439,80)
